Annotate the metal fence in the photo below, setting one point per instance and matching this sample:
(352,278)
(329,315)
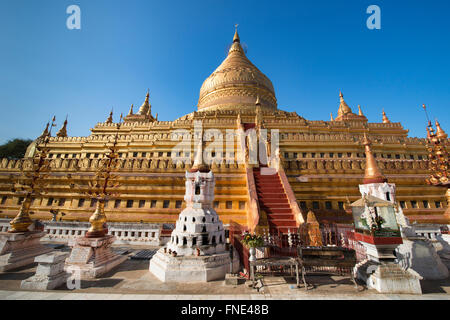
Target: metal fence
(285,244)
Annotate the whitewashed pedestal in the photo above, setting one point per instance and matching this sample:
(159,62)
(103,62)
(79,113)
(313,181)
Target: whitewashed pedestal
(168,268)
(388,277)
(20,249)
(92,257)
(50,272)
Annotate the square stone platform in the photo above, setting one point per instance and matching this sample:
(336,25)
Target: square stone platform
(92,257)
(20,249)
(192,268)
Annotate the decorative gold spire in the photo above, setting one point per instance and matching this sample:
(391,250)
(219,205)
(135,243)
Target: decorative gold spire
(45,132)
(236,35)
(343,107)
(110,118)
(360,111)
(372,173)
(63,131)
(130,113)
(440,133)
(331,116)
(385,118)
(146,106)
(438,159)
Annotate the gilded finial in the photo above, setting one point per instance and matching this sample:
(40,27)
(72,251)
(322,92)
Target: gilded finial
(331,116)
(440,133)
(110,118)
(385,118)
(372,172)
(360,111)
(131,110)
(45,132)
(63,131)
(343,107)
(146,105)
(236,35)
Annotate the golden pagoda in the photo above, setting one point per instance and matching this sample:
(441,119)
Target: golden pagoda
(318,163)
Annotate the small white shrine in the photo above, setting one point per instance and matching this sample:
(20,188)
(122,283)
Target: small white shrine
(197,249)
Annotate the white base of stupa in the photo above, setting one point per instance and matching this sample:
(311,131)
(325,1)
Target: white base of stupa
(20,249)
(192,268)
(388,277)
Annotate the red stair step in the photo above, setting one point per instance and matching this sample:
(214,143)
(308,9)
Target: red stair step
(283,223)
(280,217)
(269,210)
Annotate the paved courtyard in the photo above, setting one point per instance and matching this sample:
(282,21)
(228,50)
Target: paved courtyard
(132,280)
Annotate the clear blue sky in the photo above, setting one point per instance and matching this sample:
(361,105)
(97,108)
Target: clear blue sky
(309,49)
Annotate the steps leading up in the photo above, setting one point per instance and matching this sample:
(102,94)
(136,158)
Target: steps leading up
(273,200)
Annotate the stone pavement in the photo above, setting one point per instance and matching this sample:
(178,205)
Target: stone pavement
(132,281)
(57,295)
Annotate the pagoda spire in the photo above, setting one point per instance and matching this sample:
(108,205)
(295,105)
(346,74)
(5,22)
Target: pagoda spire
(45,132)
(110,118)
(331,116)
(146,106)
(440,133)
(372,172)
(131,110)
(343,106)
(385,118)
(236,35)
(360,111)
(63,131)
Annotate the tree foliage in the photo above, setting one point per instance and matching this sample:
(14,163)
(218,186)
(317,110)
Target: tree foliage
(14,149)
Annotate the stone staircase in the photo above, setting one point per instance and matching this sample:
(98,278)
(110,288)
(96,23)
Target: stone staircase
(273,200)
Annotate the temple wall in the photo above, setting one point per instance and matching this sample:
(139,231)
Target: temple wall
(323,160)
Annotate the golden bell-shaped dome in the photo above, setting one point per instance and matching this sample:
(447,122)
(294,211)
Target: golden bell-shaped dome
(236,84)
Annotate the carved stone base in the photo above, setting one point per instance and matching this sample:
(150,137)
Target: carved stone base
(50,272)
(192,268)
(20,249)
(388,277)
(92,257)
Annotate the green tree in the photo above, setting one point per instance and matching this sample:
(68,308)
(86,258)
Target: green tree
(14,149)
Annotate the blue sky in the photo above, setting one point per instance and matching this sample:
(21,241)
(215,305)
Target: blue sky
(309,49)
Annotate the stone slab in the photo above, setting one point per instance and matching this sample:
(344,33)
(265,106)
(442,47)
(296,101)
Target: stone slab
(20,249)
(89,271)
(233,279)
(388,277)
(92,257)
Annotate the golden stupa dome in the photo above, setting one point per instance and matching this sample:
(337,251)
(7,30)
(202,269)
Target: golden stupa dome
(236,84)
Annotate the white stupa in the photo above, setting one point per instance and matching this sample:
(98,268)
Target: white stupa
(196,251)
